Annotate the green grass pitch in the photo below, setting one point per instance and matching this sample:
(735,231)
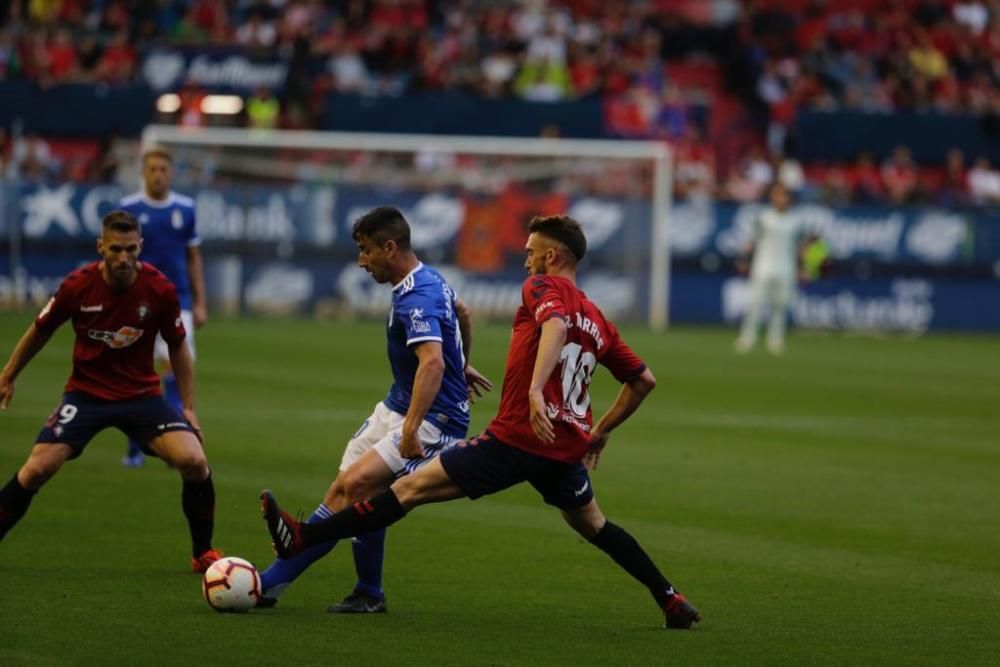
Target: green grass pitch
(838,505)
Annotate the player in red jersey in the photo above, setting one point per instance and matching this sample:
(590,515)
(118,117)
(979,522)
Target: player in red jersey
(542,433)
(117,306)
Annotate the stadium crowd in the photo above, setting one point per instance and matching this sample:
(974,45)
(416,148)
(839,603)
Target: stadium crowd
(775,57)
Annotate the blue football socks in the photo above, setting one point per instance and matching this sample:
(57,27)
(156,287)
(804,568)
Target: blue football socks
(282,572)
(369,552)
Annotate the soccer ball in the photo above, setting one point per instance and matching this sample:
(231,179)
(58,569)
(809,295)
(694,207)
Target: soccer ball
(231,584)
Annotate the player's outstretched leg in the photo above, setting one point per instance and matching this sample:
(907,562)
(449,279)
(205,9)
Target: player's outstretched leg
(428,484)
(16,495)
(280,574)
(625,550)
(291,537)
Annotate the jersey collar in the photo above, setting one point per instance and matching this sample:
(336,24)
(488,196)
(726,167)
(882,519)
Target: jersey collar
(409,275)
(158,203)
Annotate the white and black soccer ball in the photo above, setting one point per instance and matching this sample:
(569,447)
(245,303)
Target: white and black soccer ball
(231,584)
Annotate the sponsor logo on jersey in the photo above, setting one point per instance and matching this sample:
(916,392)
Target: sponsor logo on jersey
(417,323)
(116,339)
(92,309)
(542,307)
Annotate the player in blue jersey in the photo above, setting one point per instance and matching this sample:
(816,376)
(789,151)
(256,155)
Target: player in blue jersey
(426,411)
(171,244)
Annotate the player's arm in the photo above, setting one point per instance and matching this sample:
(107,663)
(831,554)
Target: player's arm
(426,384)
(550,345)
(477,382)
(630,397)
(183,366)
(196,275)
(33,340)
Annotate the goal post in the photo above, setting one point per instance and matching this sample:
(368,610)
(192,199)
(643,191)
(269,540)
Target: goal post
(623,186)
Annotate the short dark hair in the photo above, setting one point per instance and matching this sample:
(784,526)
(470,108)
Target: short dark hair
(120,221)
(385,223)
(157,151)
(561,228)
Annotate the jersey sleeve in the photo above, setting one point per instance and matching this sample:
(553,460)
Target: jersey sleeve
(623,363)
(59,307)
(542,299)
(171,325)
(420,317)
(191,237)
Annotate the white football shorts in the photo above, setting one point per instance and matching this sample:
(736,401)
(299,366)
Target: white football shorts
(160,352)
(383,430)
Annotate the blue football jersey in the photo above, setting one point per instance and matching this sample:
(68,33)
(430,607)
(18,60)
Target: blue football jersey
(168,230)
(423,309)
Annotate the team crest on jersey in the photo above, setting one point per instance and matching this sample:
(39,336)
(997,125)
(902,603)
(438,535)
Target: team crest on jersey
(143,311)
(177,219)
(143,218)
(116,339)
(417,323)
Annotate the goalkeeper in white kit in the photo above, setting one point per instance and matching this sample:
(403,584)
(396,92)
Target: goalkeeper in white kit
(777,236)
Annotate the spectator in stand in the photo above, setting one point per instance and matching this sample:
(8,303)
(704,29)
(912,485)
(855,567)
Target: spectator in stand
(695,174)
(543,81)
(31,159)
(866,179)
(751,178)
(835,190)
(954,189)
(117,63)
(256,33)
(60,57)
(263,110)
(984,183)
(899,177)
(350,75)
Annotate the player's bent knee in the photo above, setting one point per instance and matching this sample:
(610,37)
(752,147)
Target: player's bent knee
(587,520)
(42,465)
(358,487)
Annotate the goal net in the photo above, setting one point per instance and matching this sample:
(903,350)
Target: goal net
(275,210)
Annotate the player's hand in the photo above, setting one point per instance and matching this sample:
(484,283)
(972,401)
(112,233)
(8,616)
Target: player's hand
(192,419)
(478,384)
(6,391)
(410,447)
(540,422)
(598,441)
(199,314)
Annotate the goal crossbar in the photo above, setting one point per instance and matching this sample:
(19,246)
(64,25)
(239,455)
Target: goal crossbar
(657,152)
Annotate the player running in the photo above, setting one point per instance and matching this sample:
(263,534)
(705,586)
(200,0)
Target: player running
(117,306)
(542,433)
(171,244)
(425,413)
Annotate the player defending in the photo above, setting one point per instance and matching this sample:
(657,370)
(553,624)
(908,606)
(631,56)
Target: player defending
(171,244)
(542,433)
(117,306)
(777,235)
(425,413)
